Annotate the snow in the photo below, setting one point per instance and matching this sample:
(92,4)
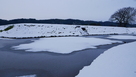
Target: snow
(118,61)
(37,30)
(6,39)
(123,37)
(27,76)
(64,44)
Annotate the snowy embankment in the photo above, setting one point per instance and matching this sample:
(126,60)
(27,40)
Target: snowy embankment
(64,44)
(27,76)
(118,61)
(123,37)
(48,30)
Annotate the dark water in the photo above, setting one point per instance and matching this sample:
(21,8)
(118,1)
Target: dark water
(44,64)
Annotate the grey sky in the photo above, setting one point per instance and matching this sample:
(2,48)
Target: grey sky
(99,10)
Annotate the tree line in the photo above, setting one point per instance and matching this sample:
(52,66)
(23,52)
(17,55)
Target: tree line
(124,17)
(62,21)
(58,21)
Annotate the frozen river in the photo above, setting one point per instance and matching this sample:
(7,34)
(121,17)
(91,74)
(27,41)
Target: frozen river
(46,64)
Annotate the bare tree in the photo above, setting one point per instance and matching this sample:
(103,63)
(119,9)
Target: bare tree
(124,16)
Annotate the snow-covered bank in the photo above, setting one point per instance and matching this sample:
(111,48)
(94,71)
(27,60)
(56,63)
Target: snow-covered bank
(27,76)
(64,44)
(6,39)
(47,30)
(118,61)
(123,37)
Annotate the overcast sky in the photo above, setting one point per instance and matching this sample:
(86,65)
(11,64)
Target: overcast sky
(99,10)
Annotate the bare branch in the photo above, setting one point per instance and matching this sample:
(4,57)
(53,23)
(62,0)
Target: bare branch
(124,16)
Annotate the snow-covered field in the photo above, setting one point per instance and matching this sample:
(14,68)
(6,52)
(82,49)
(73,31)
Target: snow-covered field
(64,44)
(45,30)
(118,61)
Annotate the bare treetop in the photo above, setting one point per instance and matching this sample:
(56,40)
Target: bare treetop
(124,16)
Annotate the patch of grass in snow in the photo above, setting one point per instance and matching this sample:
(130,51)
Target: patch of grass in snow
(1,30)
(8,28)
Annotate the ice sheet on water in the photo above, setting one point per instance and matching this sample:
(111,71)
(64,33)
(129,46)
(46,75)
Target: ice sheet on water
(64,44)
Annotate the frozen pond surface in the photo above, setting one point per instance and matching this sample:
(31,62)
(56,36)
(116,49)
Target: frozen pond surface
(45,64)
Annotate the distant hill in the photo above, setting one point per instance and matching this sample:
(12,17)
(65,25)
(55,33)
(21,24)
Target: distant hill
(61,21)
